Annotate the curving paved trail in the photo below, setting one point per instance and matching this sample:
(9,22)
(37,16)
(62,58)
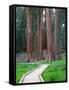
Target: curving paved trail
(34,75)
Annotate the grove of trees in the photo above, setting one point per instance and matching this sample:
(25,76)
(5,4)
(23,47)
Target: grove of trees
(40,33)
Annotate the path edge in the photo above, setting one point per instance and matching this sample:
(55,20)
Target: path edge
(40,76)
(22,78)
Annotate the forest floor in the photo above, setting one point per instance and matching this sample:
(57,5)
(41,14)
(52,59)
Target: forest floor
(55,72)
(34,76)
(22,68)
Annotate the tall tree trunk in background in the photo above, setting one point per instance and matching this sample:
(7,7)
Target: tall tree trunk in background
(53,46)
(29,34)
(57,36)
(39,34)
(49,35)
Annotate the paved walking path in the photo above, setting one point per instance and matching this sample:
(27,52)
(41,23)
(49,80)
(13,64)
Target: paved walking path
(34,75)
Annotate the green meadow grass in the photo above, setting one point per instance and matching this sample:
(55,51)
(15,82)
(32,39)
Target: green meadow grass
(21,69)
(56,71)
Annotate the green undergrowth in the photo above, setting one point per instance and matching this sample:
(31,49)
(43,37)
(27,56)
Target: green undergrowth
(21,69)
(56,71)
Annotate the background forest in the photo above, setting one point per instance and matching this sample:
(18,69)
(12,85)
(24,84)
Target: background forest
(21,28)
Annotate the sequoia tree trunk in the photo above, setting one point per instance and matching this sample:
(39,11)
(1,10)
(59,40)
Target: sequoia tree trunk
(29,34)
(57,36)
(49,35)
(39,34)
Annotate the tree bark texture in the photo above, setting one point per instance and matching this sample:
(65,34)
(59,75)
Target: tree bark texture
(29,34)
(57,36)
(49,34)
(39,34)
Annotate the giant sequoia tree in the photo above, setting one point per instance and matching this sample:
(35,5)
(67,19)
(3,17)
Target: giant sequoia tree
(38,29)
(57,35)
(39,34)
(49,34)
(29,34)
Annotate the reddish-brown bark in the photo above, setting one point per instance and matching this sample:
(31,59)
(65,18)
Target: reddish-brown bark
(49,35)
(39,35)
(29,34)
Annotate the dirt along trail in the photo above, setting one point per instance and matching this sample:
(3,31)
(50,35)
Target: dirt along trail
(34,76)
